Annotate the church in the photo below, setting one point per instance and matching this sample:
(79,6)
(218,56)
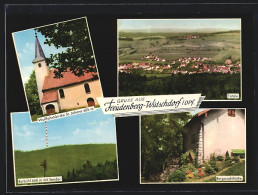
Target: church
(66,93)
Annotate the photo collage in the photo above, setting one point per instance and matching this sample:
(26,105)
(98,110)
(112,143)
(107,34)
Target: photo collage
(180,79)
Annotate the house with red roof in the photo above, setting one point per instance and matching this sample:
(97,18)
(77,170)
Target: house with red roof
(66,93)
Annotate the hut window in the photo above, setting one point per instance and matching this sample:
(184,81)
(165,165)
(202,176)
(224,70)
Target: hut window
(39,65)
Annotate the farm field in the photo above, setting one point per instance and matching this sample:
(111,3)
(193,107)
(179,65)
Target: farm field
(171,46)
(60,159)
(180,62)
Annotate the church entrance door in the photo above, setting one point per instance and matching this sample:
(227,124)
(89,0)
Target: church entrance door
(50,109)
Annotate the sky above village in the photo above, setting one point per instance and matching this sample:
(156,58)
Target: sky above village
(91,127)
(25,50)
(191,24)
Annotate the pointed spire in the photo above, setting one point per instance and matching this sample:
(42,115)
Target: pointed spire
(39,54)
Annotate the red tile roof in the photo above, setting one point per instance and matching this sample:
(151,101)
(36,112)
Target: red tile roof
(68,78)
(49,96)
(203,112)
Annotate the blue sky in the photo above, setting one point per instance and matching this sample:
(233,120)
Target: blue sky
(25,50)
(229,24)
(198,110)
(91,127)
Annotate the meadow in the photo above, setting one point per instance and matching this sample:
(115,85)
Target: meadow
(237,169)
(171,46)
(60,159)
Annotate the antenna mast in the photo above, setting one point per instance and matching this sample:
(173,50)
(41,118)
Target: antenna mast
(46,134)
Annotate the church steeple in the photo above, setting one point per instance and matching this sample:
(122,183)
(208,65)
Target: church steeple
(40,66)
(39,54)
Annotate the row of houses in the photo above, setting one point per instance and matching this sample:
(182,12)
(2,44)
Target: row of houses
(152,57)
(183,68)
(187,60)
(190,37)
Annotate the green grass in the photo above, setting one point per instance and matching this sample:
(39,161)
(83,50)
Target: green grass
(236,170)
(60,159)
(218,46)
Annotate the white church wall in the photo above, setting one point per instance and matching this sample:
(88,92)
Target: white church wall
(75,95)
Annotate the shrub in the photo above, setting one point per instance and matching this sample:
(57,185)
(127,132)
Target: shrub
(196,174)
(220,165)
(214,165)
(227,156)
(213,157)
(189,167)
(209,170)
(184,158)
(220,158)
(176,176)
(236,159)
(227,163)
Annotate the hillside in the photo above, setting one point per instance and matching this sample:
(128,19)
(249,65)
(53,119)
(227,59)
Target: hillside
(60,159)
(171,46)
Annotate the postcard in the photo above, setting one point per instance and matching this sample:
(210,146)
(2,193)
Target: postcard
(79,148)
(58,67)
(180,56)
(203,146)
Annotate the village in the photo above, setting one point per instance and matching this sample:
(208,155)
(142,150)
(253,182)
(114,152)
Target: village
(183,65)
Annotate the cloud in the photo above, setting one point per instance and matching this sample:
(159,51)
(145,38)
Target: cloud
(103,123)
(29,45)
(94,135)
(24,131)
(26,72)
(77,131)
(19,55)
(54,138)
(93,123)
(99,123)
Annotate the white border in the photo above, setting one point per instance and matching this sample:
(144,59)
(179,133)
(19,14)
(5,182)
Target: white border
(17,185)
(19,64)
(193,182)
(241,73)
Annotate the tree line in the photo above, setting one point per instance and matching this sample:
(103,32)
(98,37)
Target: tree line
(213,86)
(89,172)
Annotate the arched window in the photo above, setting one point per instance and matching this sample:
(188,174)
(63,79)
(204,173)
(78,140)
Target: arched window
(39,65)
(90,102)
(50,108)
(87,88)
(61,92)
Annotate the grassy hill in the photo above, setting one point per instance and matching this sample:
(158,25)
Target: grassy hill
(60,159)
(217,45)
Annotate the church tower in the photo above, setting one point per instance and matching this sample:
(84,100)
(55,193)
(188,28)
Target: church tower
(40,66)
